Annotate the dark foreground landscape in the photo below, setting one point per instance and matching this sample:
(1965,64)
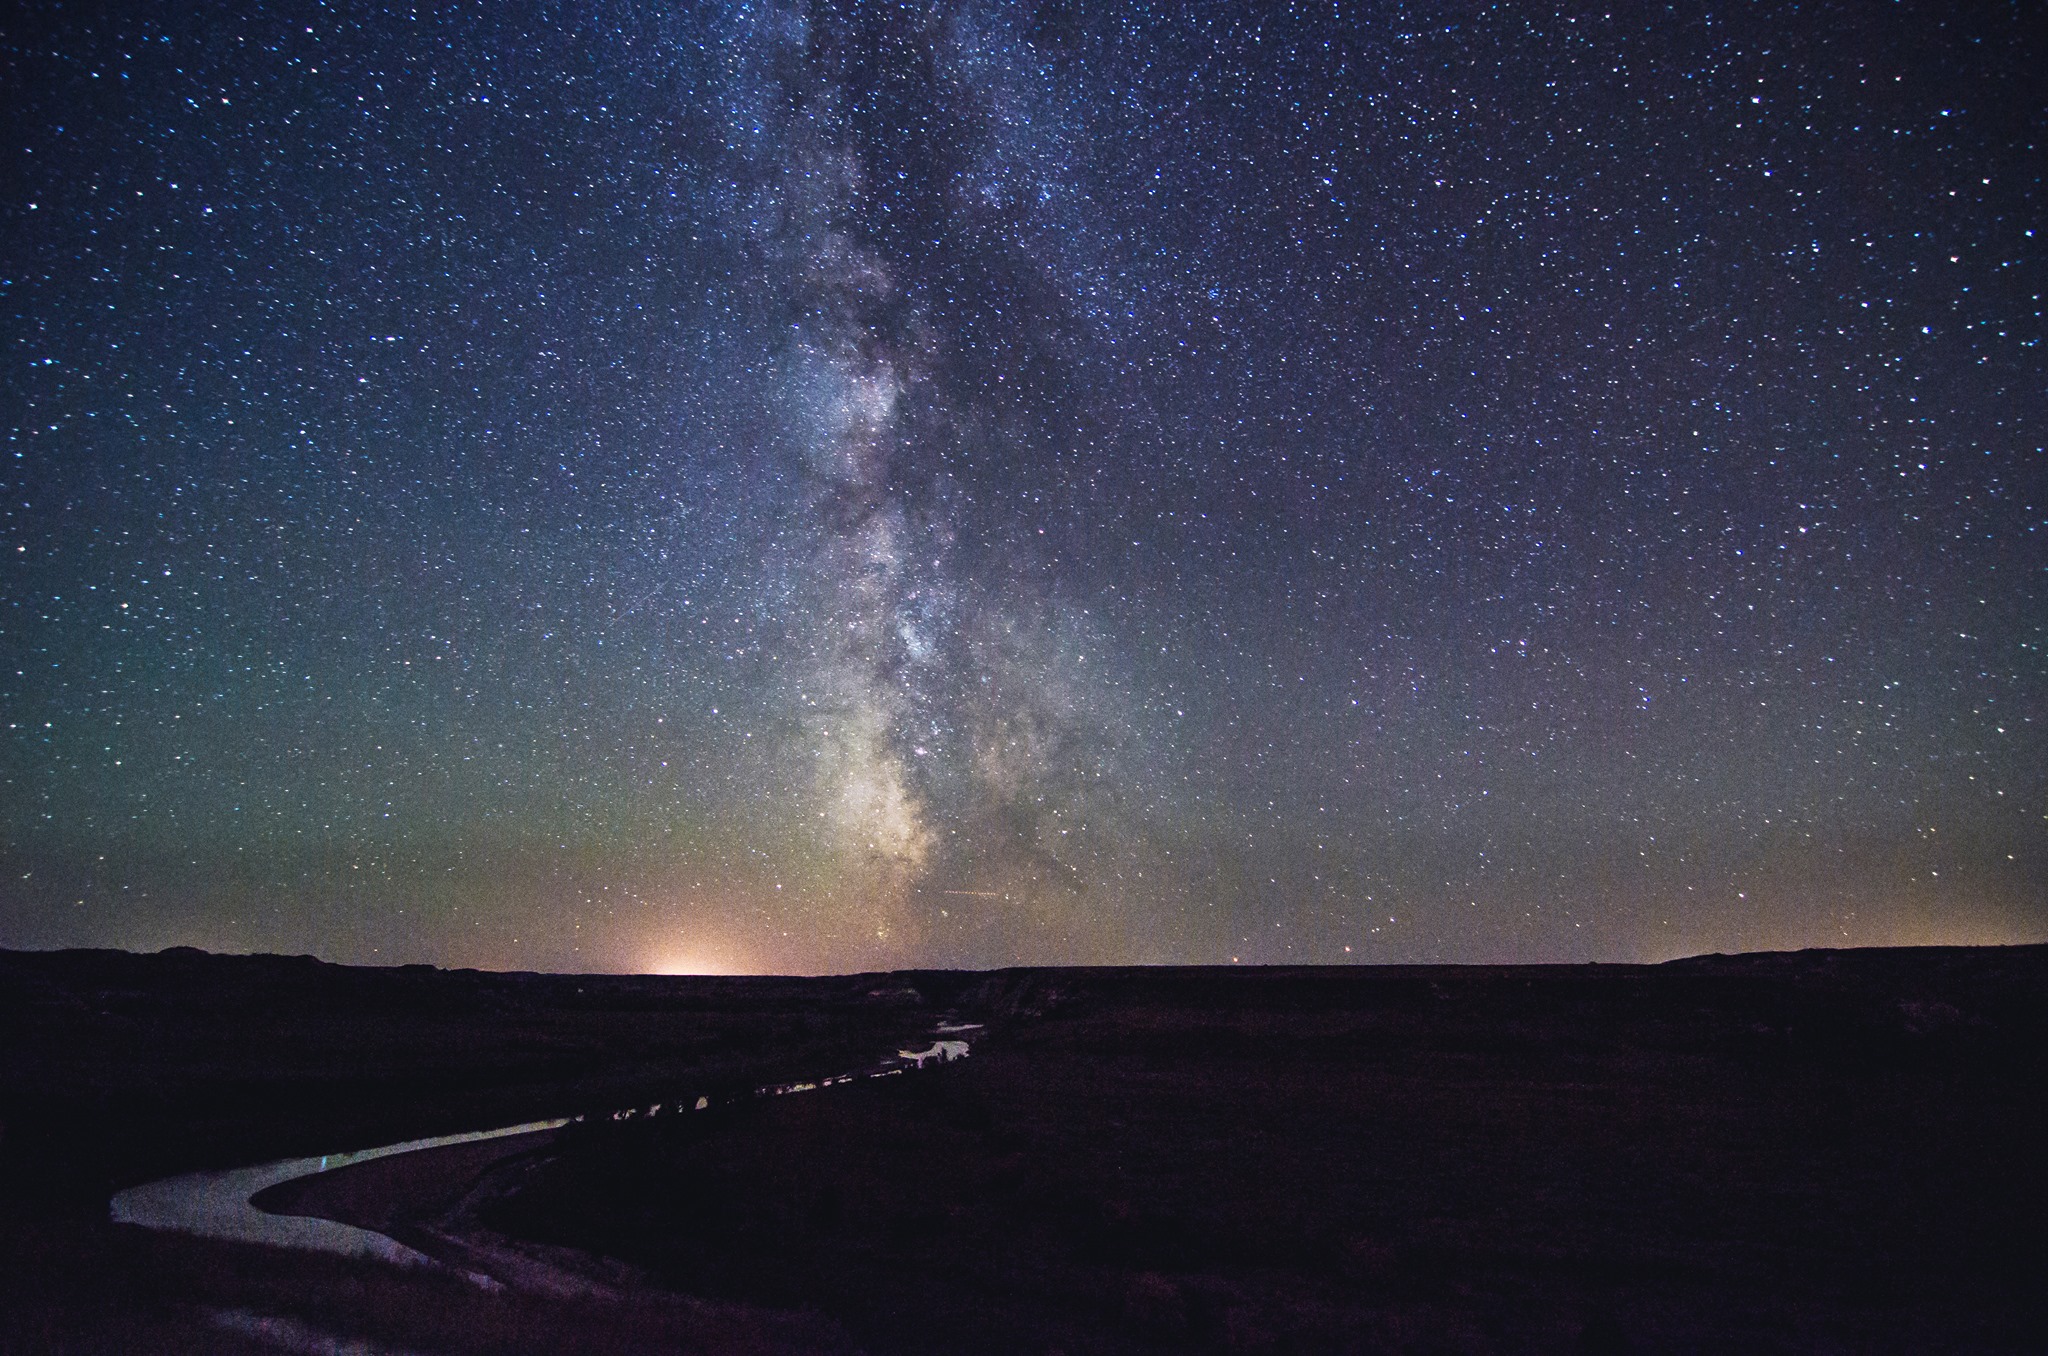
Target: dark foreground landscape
(1811,1152)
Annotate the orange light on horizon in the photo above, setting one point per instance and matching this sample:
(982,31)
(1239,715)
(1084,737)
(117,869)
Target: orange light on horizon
(695,961)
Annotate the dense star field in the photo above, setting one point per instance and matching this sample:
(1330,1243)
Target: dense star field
(829,486)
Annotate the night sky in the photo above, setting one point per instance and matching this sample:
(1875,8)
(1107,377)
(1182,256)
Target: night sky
(798,487)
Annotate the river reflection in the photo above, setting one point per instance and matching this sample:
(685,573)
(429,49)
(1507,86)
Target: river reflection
(216,1204)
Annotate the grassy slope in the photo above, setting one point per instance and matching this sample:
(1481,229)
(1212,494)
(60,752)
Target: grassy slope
(118,1068)
(1763,1156)
(1812,1153)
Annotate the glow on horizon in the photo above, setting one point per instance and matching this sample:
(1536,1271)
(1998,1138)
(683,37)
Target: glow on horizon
(698,960)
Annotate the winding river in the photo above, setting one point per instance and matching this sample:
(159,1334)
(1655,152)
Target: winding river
(217,1204)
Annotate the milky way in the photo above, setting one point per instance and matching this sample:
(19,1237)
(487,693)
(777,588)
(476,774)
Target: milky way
(936,669)
(821,486)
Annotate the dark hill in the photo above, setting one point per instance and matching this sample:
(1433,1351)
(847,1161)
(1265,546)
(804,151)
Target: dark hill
(1828,1151)
(1825,1151)
(116,1067)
